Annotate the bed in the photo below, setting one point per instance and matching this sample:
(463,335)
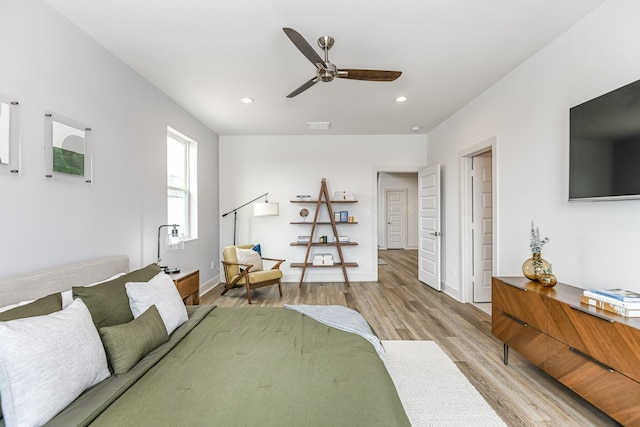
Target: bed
(245,366)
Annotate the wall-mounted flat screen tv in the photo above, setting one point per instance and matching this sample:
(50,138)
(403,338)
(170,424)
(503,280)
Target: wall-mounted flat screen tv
(604,146)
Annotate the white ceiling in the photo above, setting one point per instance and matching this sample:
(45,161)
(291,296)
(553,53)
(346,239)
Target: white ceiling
(207,54)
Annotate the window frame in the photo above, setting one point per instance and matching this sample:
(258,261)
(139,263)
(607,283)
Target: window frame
(189,189)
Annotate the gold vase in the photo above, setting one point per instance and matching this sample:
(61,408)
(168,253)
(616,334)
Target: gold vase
(548,280)
(535,266)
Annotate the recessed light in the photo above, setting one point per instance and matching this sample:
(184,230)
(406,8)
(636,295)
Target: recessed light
(401,99)
(247,100)
(415,129)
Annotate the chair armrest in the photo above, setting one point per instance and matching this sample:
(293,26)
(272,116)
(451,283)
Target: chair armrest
(278,262)
(243,273)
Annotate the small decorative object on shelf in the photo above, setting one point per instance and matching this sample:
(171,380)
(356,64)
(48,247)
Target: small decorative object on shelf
(536,265)
(547,278)
(344,195)
(304,213)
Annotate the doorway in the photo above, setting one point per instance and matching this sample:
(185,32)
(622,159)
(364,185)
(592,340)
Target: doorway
(390,182)
(478,219)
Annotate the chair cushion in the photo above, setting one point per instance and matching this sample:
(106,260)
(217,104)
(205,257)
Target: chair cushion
(262,276)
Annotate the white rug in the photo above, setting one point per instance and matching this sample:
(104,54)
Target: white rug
(432,389)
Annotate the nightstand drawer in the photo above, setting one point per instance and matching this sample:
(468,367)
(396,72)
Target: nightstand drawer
(188,286)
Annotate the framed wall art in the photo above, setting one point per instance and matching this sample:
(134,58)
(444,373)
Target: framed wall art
(68,153)
(9,135)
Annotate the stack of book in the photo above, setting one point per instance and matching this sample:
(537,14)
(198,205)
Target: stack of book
(619,301)
(323,259)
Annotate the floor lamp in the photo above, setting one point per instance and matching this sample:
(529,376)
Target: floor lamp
(259,209)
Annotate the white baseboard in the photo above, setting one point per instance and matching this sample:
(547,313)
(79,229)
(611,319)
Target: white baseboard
(210,284)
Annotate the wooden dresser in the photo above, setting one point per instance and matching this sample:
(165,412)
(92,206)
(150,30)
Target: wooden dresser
(593,352)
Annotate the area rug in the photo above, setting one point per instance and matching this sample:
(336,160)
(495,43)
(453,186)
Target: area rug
(432,389)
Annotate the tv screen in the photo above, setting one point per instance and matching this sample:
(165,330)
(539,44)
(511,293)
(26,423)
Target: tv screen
(604,146)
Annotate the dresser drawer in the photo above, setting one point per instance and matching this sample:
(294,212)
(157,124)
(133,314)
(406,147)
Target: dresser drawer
(601,337)
(520,336)
(528,306)
(609,390)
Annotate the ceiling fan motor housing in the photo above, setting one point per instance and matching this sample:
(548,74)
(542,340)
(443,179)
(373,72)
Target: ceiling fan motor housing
(327,74)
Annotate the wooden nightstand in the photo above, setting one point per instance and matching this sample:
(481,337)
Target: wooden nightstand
(188,284)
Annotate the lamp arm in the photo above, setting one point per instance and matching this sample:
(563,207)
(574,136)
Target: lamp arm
(239,207)
(160,228)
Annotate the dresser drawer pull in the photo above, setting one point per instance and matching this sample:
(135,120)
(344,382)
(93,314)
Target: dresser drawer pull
(592,360)
(515,319)
(599,316)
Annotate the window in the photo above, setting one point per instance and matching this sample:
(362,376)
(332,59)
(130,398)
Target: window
(182,194)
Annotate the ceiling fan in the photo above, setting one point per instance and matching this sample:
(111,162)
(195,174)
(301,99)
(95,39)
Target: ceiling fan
(326,71)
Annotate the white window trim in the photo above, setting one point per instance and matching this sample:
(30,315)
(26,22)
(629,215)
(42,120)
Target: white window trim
(191,184)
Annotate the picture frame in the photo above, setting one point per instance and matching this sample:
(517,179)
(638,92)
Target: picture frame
(9,135)
(68,150)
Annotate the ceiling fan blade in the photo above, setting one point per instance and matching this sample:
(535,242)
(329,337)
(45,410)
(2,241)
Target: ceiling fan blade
(304,87)
(371,75)
(304,47)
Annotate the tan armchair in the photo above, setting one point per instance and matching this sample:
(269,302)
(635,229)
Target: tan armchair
(235,278)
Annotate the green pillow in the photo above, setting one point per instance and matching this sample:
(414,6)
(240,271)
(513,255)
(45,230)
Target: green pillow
(108,302)
(40,307)
(128,343)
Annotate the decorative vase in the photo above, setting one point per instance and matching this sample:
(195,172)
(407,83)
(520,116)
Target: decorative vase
(548,280)
(535,266)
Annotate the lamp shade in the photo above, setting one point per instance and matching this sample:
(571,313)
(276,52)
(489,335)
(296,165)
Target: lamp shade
(266,209)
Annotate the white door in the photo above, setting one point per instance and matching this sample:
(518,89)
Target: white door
(396,218)
(482,227)
(429,226)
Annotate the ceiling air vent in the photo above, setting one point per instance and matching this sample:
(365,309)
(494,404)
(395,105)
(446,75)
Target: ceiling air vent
(319,125)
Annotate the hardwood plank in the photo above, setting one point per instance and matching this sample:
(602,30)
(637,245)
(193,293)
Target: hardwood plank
(399,307)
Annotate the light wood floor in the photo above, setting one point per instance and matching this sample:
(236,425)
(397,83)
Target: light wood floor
(399,307)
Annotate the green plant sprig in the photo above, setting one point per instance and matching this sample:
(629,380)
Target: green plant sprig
(536,242)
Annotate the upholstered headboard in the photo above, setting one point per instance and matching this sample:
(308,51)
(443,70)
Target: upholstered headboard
(35,285)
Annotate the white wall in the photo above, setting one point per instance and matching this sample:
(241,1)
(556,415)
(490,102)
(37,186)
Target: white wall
(399,181)
(49,64)
(286,166)
(592,244)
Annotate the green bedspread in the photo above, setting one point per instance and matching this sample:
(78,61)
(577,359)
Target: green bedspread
(259,366)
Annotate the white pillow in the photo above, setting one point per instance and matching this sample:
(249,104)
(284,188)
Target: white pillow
(249,256)
(161,292)
(48,361)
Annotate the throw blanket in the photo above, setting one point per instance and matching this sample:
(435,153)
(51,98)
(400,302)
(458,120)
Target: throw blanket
(343,318)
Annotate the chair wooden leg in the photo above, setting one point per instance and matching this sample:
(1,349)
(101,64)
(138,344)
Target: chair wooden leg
(280,287)
(248,293)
